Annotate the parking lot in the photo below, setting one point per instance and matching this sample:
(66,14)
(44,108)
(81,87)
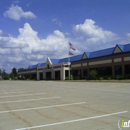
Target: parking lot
(53,105)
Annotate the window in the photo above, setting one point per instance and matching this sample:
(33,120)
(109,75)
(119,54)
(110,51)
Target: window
(76,73)
(103,71)
(127,69)
(57,75)
(118,70)
(66,73)
(84,72)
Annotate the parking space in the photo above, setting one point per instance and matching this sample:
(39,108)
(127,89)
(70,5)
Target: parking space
(53,105)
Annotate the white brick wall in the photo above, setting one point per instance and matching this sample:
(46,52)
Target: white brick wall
(100,62)
(117,60)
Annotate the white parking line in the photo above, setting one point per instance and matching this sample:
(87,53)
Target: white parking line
(28,100)
(16,92)
(21,95)
(11,92)
(72,121)
(37,108)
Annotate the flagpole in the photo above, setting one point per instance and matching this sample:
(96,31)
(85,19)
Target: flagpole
(69,60)
(70,47)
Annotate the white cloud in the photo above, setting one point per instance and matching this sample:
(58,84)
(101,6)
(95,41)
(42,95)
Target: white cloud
(93,33)
(7,41)
(3,34)
(16,12)
(28,4)
(4,51)
(14,59)
(28,48)
(35,44)
(16,1)
(128,35)
(125,39)
(56,21)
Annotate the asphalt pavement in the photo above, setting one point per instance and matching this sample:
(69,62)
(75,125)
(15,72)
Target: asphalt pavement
(54,105)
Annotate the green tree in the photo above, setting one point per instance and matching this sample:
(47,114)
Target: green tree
(2,73)
(6,77)
(94,74)
(14,74)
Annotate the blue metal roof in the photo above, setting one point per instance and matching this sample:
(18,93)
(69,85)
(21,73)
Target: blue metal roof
(54,61)
(32,66)
(101,53)
(64,60)
(126,47)
(71,59)
(109,51)
(121,47)
(41,64)
(76,58)
(95,54)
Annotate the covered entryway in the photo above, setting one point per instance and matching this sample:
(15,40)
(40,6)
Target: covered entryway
(48,75)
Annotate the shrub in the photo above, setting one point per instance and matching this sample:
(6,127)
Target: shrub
(12,76)
(93,74)
(109,78)
(101,78)
(71,77)
(6,77)
(129,77)
(120,77)
(23,78)
(77,78)
(30,77)
(15,78)
(67,78)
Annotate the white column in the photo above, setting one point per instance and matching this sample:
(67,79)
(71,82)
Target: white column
(52,74)
(38,78)
(62,73)
(44,74)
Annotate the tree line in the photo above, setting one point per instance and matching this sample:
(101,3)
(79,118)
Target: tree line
(5,76)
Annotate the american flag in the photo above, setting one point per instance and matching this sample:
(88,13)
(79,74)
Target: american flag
(71,46)
(70,53)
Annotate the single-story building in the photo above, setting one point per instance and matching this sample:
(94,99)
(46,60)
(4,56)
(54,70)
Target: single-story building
(108,62)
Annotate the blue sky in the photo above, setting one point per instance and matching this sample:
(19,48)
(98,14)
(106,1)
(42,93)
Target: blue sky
(32,30)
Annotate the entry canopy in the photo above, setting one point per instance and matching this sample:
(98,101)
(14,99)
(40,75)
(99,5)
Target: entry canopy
(51,62)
